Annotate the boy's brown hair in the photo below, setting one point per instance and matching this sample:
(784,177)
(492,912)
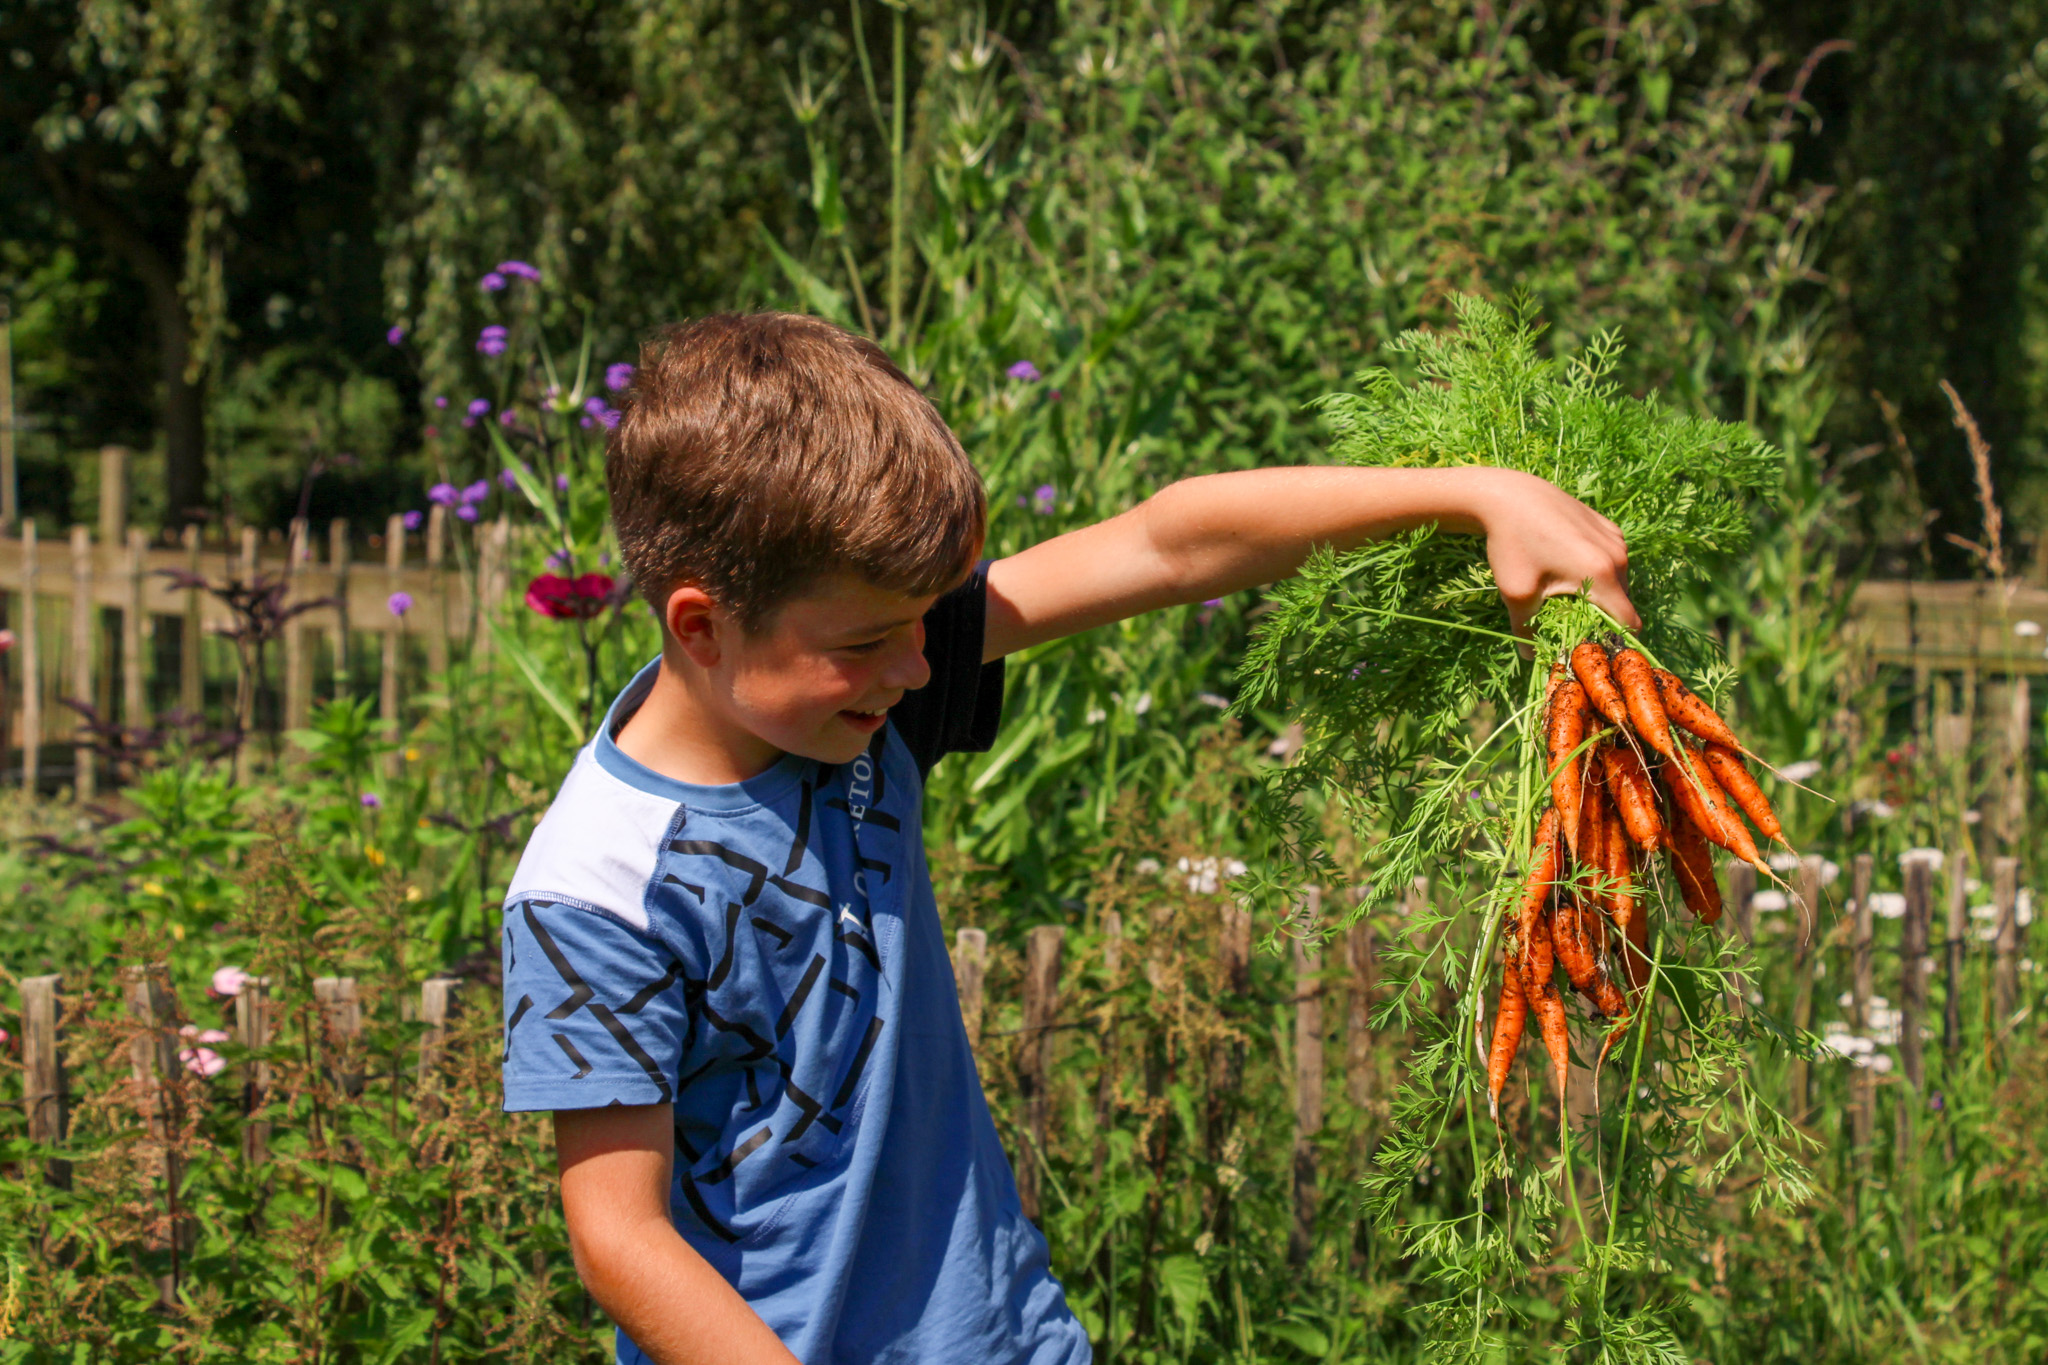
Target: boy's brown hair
(758,451)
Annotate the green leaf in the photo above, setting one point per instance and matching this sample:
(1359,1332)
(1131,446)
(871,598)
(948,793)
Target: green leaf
(819,296)
(1299,1335)
(523,660)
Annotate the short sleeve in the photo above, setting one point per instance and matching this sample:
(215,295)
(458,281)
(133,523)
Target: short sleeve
(595,1009)
(959,709)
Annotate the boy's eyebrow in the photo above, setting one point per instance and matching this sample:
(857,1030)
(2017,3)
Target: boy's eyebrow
(882,627)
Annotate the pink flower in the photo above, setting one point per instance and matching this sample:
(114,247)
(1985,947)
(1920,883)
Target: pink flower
(6,640)
(202,1061)
(229,981)
(570,599)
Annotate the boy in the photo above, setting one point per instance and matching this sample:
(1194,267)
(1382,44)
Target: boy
(723,966)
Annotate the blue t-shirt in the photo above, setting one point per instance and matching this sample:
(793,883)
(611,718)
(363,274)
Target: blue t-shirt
(767,958)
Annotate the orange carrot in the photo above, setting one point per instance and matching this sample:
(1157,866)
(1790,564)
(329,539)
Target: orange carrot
(1685,707)
(1589,665)
(1693,863)
(1593,845)
(1700,796)
(1733,775)
(1635,951)
(1567,730)
(1568,936)
(1544,867)
(1539,964)
(1608,999)
(1645,711)
(1635,797)
(1619,866)
(1513,1017)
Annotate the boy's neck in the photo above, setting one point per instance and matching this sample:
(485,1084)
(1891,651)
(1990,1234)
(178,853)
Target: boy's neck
(677,732)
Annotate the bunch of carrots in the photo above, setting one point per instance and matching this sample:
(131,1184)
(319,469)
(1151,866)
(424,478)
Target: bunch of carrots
(1624,785)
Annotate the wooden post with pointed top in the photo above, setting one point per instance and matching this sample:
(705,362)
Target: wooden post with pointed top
(153,1062)
(1041,1008)
(31,664)
(1952,956)
(341,1012)
(970,972)
(134,629)
(338,561)
(440,1000)
(1863,1084)
(393,663)
(84,762)
(2005,961)
(255,1020)
(1308,1086)
(191,636)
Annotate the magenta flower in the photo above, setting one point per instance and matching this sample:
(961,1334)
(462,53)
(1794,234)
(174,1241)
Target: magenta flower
(468,422)
(395,335)
(202,1061)
(440,400)
(229,981)
(479,406)
(491,283)
(507,480)
(477,491)
(561,483)
(559,559)
(609,418)
(432,432)
(1213,602)
(413,519)
(1025,371)
(399,603)
(618,376)
(467,511)
(372,801)
(491,341)
(443,494)
(1044,499)
(520,269)
(507,418)
(570,599)
(587,422)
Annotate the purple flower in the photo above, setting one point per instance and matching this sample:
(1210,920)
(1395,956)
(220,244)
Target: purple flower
(372,801)
(559,560)
(618,376)
(440,400)
(442,493)
(491,341)
(520,269)
(507,418)
(469,421)
(1044,499)
(561,483)
(1024,370)
(507,479)
(491,283)
(587,422)
(399,603)
(477,491)
(395,335)
(1213,603)
(479,406)
(467,511)
(609,417)
(413,519)
(595,404)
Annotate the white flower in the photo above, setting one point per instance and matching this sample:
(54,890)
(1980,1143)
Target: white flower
(1988,934)
(1983,912)
(2026,630)
(1211,699)
(1768,901)
(1147,866)
(1835,1028)
(1143,705)
(1829,871)
(1882,1018)
(1096,715)
(1876,810)
(1888,905)
(1233,868)
(1971,817)
(1878,1002)
(1802,770)
(1880,1062)
(1783,862)
(2023,908)
(1846,1000)
(1933,857)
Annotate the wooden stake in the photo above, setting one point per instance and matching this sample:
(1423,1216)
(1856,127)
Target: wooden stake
(255,1023)
(134,627)
(191,639)
(84,762)
(338,561)
(1806,909)
(1359,963)
(1041,1008)
(1952,955)
(394,640)
(31,664)
(970,971)
(113,495)
(45,1090)
(1863,1084)
(298,669)
(1308,1094)
(342,1014)
(1913,975)
(440,1002)
(2005,962)
(153,1062)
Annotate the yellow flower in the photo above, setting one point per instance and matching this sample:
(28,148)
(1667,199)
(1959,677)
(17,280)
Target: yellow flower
(412,755)
(178,932)
(412,893)
(152,888)
(375,855)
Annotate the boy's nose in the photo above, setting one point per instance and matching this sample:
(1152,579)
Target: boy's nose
(908,670)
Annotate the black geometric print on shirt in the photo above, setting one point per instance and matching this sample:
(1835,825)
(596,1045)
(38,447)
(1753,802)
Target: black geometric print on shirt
(800,1159)
(874,865)
(671,879)
(803,830)
(761,1046)
(653,989)
(879,818)
(799,995)
(813,1110)
(783,938)
(859,940)
(581,996)
(732,924)
(518,1013)
(860,1061)
(753,1089)
(687,1147)
(758,876)
(575,1057)
(722,1172)
(702,1210)
(845,988)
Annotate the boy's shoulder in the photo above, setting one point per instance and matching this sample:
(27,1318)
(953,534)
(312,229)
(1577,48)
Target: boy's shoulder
(598,846)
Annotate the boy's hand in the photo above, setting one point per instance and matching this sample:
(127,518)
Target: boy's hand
(615,1169)
(1222,533)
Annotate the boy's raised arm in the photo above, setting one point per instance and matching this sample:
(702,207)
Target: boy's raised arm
(1222,533)
(615,1170)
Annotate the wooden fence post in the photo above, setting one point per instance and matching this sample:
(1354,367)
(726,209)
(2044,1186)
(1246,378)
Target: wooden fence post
(45,1091)
(394,639)
(2005,962)
(255,1021)
(338,561)
(1105,1080)
(191,637)
(113,495)
(1806,906)
(1863,1084)
(1741,891)
(1233,979)
(1308,1094)
(84,766)
(440,1002)
(1913,985)
(1359,965)
(341,1013)
(31,664)
(134,626)
(153,1061)
(298,669)
(1952,955)
(970,971)
(1041,1007)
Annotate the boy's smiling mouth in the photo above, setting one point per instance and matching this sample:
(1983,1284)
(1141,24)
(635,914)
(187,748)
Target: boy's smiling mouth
(866,721)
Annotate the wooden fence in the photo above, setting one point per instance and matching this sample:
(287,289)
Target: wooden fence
(1329,988)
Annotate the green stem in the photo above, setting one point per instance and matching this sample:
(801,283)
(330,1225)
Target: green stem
(899,83)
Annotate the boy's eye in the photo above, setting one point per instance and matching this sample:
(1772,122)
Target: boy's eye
(866,646)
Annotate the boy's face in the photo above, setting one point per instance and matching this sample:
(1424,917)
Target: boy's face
(820,674)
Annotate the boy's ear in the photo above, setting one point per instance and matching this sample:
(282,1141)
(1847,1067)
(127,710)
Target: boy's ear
(696,623)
